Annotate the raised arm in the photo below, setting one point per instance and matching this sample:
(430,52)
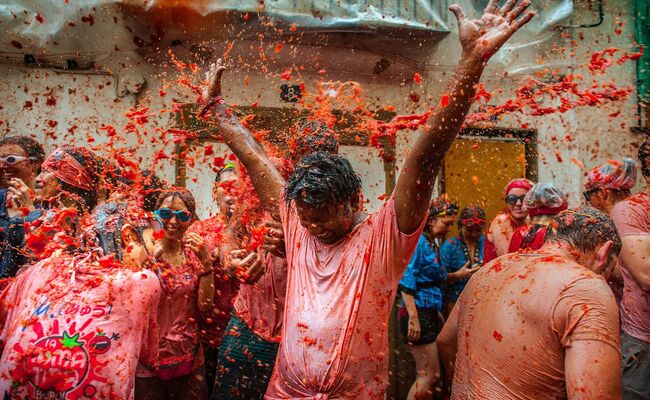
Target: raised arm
(266,179)
(480,39)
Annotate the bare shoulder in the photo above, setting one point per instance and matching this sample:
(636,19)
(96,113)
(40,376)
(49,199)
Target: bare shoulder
(500,218)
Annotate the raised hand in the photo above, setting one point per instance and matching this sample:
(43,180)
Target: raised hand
(196,243)
(249,265)
(212,87)
(19,194)
(274,239)
(482,38)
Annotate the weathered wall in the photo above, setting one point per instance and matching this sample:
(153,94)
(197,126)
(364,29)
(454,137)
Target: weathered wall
(85,101)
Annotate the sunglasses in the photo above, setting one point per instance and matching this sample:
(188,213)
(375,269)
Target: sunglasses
(512,199)
(588,194)
(470,222)
(167,213)
(14,159)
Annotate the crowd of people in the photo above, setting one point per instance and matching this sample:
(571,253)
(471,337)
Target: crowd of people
(114,289)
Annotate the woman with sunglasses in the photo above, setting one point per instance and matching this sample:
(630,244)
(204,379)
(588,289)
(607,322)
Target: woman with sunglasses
(421,290)
(463,255)
(506,222)
(183,264)
(20,161)
(543,202)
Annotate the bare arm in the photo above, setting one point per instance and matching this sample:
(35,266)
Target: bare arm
(592,370)
(197,244)
(447,344)
(266,179)
(636,258)
(465,272)
(414,328)
(480,39)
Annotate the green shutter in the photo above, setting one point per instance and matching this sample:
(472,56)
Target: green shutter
(642,21)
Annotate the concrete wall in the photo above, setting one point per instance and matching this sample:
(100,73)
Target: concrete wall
(84,101)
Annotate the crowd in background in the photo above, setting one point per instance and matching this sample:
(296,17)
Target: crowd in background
(209,307)
(114,289)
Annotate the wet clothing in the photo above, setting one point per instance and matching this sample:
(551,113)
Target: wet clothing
(529,237)
(250,345)
(178,316)
(12,238)
(424,276)
(423,279)
(635,355)
(339,296)
(261,305)
(87,329)
(632,218)
(454,254)
(531,308)
(245,363)
(213,323)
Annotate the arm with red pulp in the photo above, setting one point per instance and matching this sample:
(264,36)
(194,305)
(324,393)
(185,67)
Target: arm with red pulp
(266,179)
(480,39)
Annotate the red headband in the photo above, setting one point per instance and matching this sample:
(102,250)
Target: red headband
(67,169)
(543,210)
(518,184)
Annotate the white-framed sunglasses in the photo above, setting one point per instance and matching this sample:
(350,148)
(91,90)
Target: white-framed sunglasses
(15,159)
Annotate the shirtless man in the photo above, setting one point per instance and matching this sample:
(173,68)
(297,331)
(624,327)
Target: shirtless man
(505,223)
(541,325)
(344,265)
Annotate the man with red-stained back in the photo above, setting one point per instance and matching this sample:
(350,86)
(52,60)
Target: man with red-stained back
(545,325)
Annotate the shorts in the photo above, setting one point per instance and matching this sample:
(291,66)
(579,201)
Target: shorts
(245,363)
(635,361)
(430,326)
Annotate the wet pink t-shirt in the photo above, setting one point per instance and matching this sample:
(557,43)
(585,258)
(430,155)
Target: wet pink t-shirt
(178,315)
(261,305)
(77,336)
(335,330)
(632,218)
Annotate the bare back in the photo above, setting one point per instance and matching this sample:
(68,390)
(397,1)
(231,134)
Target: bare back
(518,317)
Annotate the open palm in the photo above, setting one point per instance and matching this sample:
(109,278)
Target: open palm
(483,37)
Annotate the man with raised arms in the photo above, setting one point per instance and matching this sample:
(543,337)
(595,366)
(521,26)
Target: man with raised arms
(344,265)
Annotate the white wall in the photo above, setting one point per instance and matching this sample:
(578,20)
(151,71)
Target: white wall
(85,101)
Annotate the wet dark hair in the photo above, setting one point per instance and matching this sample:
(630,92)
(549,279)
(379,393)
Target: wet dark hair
(311,137)
(469,212)
(152,186)
(322,178)
(644,154)
(86,199)
(179,193)
(32,148)
(584,228)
